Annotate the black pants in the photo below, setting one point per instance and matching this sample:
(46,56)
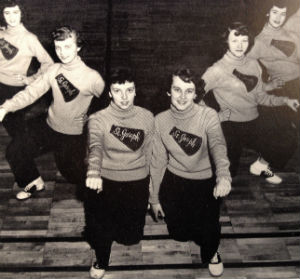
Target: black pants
(115,214)
(69,152)
(14,122)
(284,117)
(192,212)
(274,145)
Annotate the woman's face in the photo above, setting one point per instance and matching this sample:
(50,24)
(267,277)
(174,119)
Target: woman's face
(277,17)
(123,94)
(66,50)
(237,45)
(182,93)
(12,16)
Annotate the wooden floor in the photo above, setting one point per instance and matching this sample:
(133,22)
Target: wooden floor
(42,237)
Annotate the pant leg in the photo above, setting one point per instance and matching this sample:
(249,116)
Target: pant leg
(14,122)
(23,149)
(204,210)
(132,209)
(234,142)
(174,206)
(117,213)
(69,156)
(276,146)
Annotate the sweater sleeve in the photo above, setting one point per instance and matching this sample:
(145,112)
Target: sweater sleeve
(257,50)
(95,146)
(217,146)
(42,56)
(265,99)
(158,164)
(29,95)
(97,85)
(149,140)
(210,78)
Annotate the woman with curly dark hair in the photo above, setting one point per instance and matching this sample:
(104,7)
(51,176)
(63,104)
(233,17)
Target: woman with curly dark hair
(18,46)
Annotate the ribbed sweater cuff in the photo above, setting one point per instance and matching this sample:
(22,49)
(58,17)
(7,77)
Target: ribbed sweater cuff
(93,173)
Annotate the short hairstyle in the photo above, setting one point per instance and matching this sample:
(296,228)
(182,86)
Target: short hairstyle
(186,75)
(241,30)
(280,4)
(9,4)
(64,32)
(121,75)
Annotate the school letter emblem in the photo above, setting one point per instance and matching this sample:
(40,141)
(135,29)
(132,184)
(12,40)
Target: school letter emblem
(132,138)
(8,50)
(68,90)
(189,143)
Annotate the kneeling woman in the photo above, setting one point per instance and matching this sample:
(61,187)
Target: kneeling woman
(184,189)
(120,139)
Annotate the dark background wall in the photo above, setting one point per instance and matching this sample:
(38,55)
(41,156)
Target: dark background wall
(152,36)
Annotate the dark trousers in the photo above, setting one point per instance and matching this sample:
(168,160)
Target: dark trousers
(274,145)
(69,153)
(284,117)
(115,214)
(192,212)
(14,122)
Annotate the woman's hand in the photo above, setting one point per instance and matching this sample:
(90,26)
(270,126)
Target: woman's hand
(157,211)
(94,183)
(224,115)
(275,83)
(293,104)
(222,188)
(23,78)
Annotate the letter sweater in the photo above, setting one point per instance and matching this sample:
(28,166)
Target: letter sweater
(237,86)
(182,143)
(17,47)
(120,143)
(73,87)
(279,51)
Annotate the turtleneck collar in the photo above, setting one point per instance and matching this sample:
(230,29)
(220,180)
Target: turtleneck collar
(77,62)
(271,30)
(233,60)
(121,113)
(184,114)
(15,30)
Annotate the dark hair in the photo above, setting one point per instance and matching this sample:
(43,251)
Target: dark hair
(121,75)
(241,30)
(10,4)
(64,32)
(279,4)
(186,75)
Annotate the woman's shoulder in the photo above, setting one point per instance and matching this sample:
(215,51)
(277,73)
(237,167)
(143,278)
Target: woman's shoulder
(144,111)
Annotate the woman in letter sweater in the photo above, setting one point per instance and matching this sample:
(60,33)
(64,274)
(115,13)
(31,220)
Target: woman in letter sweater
(278,49)
(236,83)
(120,139)
(73,86)
(184,189)
(18,46)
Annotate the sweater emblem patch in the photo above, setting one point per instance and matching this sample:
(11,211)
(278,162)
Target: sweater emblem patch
(8,50)
(249,81)
(68,90)
(286,47)
(132,138)
(189,143)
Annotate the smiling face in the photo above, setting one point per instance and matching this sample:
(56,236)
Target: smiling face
(123,94)
(66,50)
(277,16)
(237,44)
(182,93)
(12,16)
